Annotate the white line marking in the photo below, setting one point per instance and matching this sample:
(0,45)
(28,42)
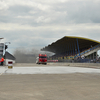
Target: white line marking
(4,72)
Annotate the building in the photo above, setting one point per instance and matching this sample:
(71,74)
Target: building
(71,48)
(1,49)
(9,57)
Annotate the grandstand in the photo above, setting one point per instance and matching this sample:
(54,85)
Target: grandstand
(71,48)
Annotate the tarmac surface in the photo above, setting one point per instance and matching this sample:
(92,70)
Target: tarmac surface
(49,83)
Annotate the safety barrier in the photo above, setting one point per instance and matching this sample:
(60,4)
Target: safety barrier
(10,64)
(52,60)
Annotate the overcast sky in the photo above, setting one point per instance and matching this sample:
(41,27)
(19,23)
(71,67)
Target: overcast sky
(37,23)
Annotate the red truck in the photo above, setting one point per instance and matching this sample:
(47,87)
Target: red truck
(42,59)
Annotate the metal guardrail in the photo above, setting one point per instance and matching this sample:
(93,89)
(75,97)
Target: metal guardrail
(86,51)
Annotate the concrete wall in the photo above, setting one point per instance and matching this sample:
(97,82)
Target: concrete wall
(87,65)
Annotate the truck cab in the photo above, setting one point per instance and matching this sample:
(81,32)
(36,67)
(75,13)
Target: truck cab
(41,59)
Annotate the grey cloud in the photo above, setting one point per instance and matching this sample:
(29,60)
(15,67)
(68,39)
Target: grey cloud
(80,11)
(85,12)
(19,9)
(59,14)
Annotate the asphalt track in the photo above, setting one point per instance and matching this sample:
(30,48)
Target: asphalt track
(49,83)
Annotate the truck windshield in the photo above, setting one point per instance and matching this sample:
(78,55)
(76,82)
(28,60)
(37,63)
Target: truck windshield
(42,57)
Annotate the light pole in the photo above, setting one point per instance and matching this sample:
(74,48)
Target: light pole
(5,47)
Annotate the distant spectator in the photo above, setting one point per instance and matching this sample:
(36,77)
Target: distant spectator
(2,61)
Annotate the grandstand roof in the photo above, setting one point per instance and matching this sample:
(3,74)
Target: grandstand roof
(69,43)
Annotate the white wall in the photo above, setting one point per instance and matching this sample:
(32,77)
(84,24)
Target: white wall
(7,60)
